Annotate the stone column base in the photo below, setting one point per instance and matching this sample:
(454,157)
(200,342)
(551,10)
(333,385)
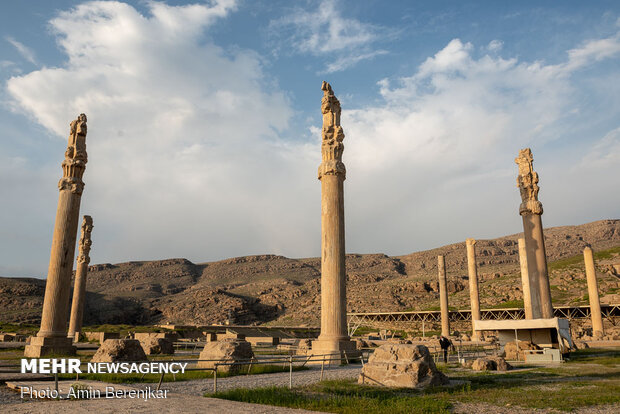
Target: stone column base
(42,346)
(336,352)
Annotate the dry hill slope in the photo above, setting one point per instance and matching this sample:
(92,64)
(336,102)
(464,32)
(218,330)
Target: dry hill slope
(276,289)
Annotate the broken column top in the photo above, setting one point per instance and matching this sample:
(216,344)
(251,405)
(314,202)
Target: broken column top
(527,181)
(76,158)
(85,241)
(470,242)
(332,134)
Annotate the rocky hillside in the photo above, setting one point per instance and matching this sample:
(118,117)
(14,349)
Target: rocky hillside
(280,290)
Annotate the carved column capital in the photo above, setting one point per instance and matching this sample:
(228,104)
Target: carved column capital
(76,157)
(527,181)
(470,242)
(332,135)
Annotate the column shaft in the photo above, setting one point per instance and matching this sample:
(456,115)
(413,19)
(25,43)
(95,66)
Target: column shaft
(537,266)
(525,280)
(77,305)
(57,288)
(333,272)
(474,298)
(443,296)
(595,304)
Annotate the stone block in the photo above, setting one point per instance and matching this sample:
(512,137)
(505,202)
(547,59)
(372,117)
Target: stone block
(115,350)
(491,364)
(42,346)
(516,354)
(226,351)
(153,345)
(401,366)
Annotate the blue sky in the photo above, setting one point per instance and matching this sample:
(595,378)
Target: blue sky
(204,121)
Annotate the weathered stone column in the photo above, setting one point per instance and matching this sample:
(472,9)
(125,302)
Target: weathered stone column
(443,296)
(474,297)
(79,288)
(595,305)
(531,211)
(525,280)
(334,337)
(52,338)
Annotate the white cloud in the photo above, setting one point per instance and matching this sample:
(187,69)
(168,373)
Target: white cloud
(439,153)
(23,50)
(325,31)
(348,61)
(184,155)
(604,153)
(495,45)
(593,51)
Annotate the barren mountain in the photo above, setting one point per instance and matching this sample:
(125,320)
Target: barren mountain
(280,290)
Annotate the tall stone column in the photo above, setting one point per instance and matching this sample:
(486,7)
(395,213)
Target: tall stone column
(443,296)
(52,338)
(531,211)
(334,337)
(595,305)
(525,280)
(79,288)
(474,297)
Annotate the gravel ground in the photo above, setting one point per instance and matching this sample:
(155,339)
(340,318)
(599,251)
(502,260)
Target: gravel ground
(311,376)
(173,404)
(477,408)
(8,396)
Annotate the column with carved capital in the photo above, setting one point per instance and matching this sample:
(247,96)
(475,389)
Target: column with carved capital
(334,338)
(474,297)
(531,211)
(79,287)
(52,338)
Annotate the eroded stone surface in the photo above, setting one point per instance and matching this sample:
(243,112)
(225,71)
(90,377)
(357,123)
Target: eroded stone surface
(514,354)
(401,365)
(226,351)
(491,364)
(153,345)
(115,350)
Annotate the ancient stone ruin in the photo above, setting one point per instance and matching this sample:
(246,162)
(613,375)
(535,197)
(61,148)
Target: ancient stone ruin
(490,364)
(443,296)
(227,351)
(334,338)
(531,211)
(401,366)
(474,298)
(117,350)
(79,288)
(52,337)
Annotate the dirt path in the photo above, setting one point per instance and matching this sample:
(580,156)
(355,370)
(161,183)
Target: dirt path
(280,379)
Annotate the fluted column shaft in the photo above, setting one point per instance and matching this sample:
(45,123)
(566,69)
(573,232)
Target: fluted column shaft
(443,296)
(525,280)
(595,304)
(333,272)
(58,286)
(474,297)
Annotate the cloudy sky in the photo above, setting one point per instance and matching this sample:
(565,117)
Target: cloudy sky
(204,121)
